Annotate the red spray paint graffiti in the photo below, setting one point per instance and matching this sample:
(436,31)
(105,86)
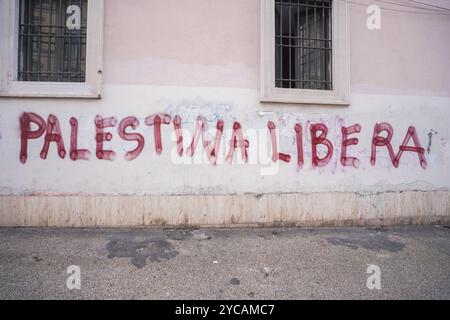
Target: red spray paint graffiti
(200,130)
(53,134)
(299,140)
(213,151)
(51,130)
(178,134)
(75,153)
(238,141)
(380,141)
(132,122)
(26,120)
(411,134)
(101,136)
(275,154)
(346,131)
(156,120)
(321,139)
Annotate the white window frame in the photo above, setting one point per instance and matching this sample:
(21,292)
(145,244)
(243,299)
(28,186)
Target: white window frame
(11,87)
(339,95)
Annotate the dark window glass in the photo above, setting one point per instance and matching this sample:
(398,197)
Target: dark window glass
(303,47)
(50,48)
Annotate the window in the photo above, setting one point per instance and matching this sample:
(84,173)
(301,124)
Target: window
(304,51)
(51,48)
(48,49)
(303,45)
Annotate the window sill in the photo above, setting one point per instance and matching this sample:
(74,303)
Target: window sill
(299,96)
(30,89)
(340,102)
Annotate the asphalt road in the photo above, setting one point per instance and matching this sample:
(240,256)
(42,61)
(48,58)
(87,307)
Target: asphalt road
(414,263)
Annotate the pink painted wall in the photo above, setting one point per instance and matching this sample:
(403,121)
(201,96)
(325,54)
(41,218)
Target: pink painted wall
(215,43)
(173,42)
(409,55)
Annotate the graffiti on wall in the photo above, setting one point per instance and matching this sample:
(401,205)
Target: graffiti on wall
(33,126)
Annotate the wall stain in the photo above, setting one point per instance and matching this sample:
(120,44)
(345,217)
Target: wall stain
(372,241)
(430,136)
(178,234)
(141,247)
(259,196)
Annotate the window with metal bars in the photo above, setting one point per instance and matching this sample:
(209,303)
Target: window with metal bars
(303,45)
(48,49)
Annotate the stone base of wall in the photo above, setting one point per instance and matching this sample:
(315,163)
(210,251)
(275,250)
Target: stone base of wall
(294,209)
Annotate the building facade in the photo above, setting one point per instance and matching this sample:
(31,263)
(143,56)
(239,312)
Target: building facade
(224,113)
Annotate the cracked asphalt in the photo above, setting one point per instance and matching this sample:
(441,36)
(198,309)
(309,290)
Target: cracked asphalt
(289,263)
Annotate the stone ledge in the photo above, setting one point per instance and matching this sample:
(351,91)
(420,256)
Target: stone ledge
(290,210)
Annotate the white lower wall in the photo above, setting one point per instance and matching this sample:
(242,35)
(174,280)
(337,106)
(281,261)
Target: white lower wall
(166,174)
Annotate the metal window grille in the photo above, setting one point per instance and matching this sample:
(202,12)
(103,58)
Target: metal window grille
(303,46)
(48,49)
